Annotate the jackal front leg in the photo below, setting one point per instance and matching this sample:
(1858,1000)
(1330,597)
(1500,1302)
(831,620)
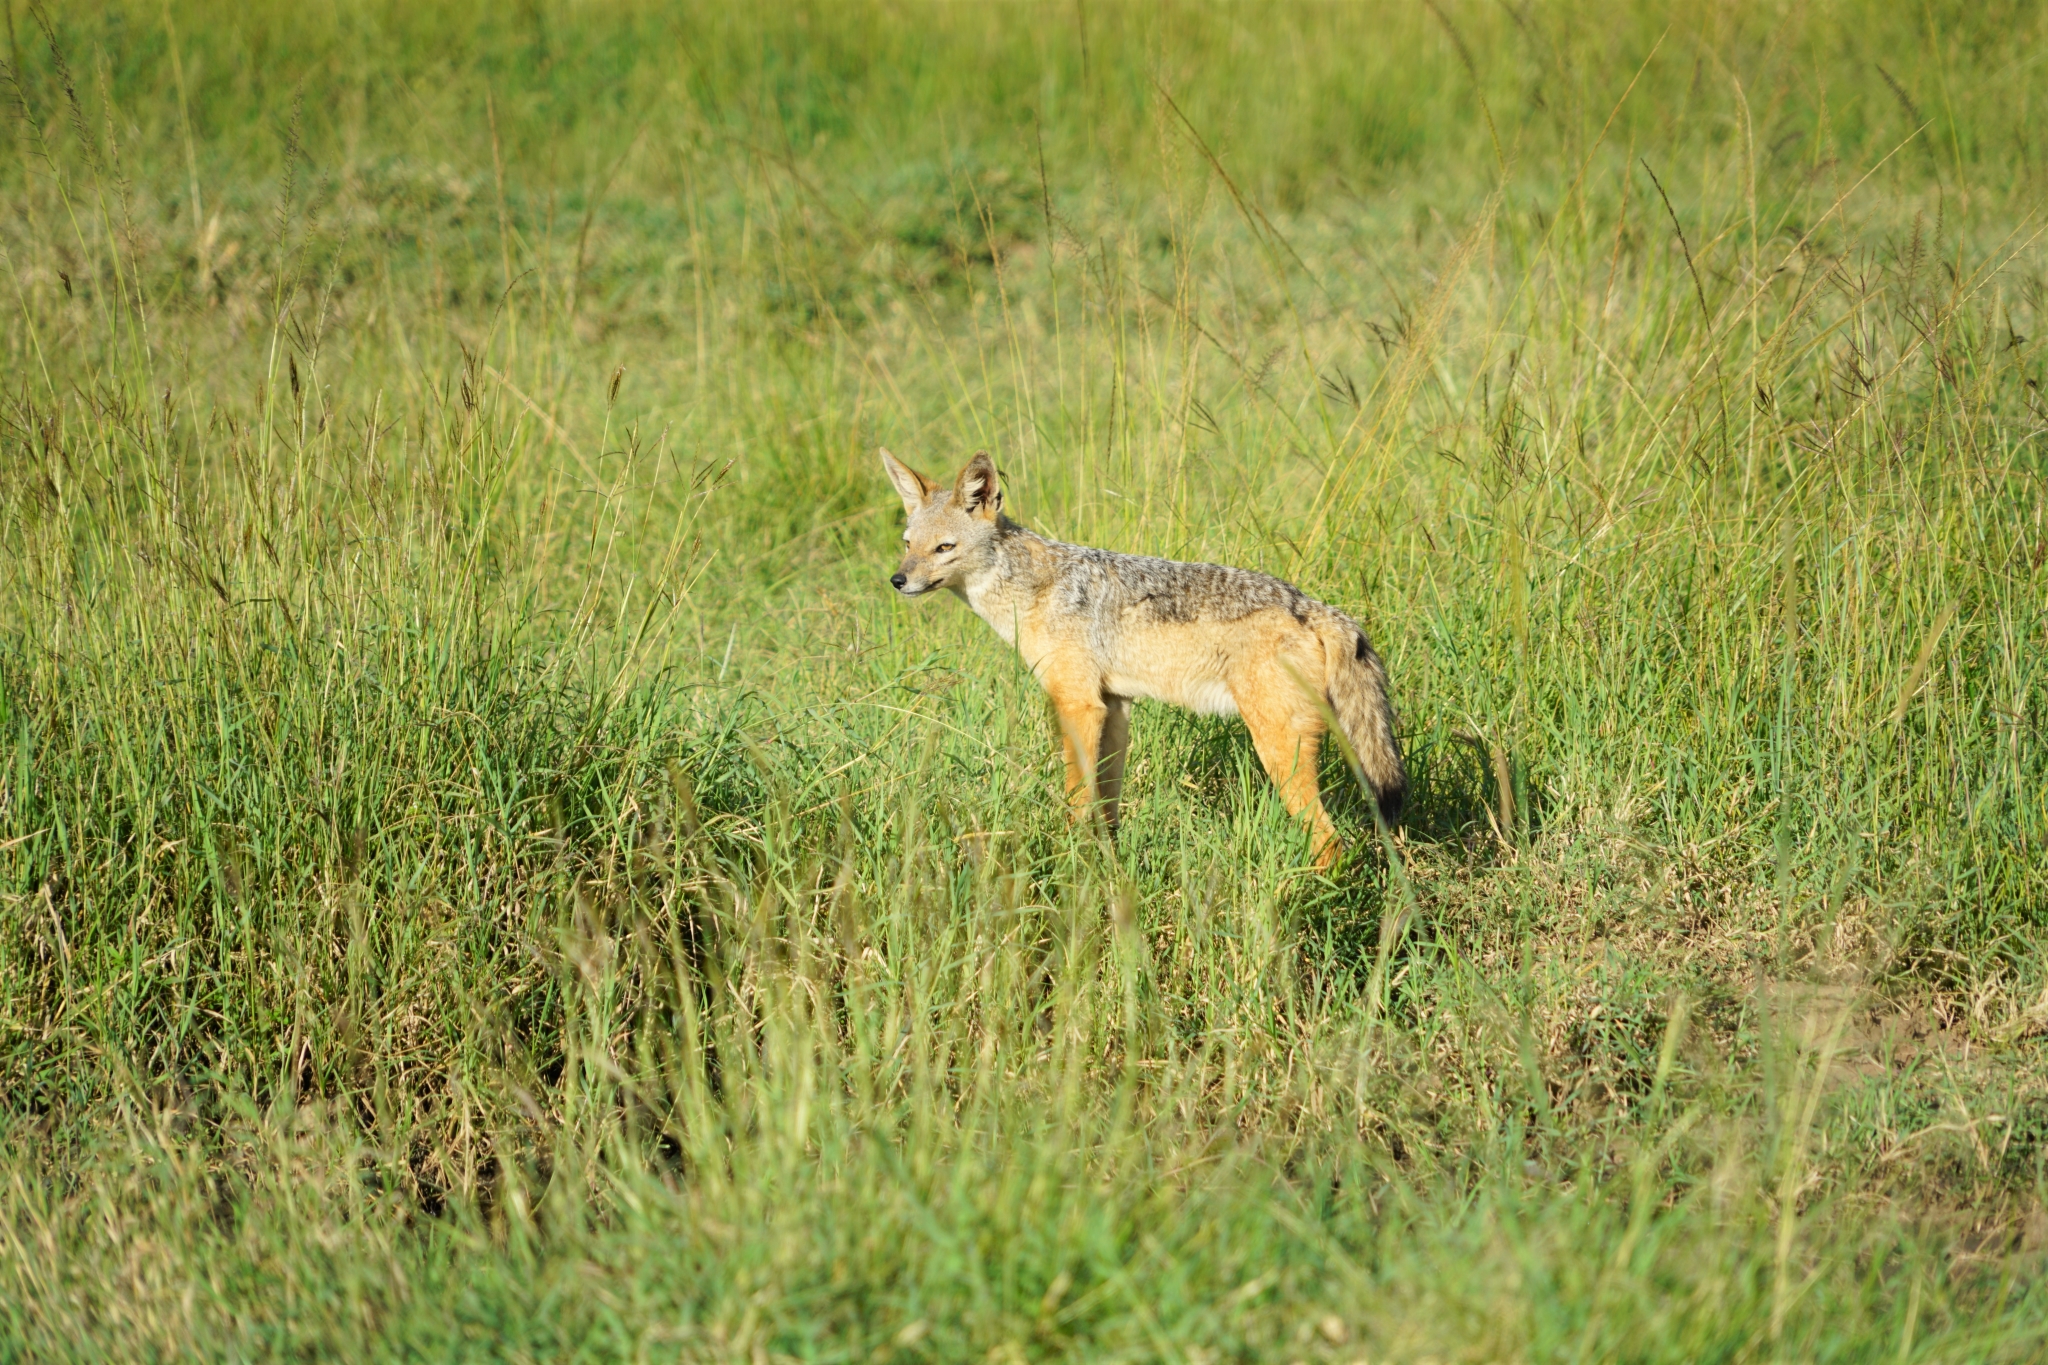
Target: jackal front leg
(1082,714)
(1116,747)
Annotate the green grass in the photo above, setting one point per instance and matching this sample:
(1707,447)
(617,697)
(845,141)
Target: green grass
(488,870)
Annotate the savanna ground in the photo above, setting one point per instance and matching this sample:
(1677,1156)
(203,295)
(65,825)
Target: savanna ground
(488,869)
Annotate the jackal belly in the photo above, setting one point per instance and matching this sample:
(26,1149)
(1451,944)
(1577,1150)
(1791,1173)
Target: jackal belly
(1201,691)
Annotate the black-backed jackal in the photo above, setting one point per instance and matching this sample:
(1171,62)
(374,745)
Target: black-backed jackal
(1099,629)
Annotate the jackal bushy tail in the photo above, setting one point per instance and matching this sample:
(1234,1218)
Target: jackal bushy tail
(1357,688)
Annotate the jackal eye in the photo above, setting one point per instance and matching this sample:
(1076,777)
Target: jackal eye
(943,548)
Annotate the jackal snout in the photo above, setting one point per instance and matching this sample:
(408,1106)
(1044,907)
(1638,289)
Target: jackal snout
(922,572)
(925,568)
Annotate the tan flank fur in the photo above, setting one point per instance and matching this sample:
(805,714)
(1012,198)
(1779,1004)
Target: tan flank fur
(1099,629)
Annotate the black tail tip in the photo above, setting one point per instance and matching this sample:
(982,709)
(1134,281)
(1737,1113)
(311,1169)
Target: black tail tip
(1391,799)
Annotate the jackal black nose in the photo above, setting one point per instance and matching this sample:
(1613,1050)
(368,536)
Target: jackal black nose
(897,580)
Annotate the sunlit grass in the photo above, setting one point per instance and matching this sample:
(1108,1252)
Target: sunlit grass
(487,868)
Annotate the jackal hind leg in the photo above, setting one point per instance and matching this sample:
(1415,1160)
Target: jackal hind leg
(1288,731)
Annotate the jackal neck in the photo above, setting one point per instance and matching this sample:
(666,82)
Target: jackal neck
(1010,581)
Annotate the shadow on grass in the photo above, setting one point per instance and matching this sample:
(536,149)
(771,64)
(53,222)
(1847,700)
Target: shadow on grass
(1453,785)
(1454,799)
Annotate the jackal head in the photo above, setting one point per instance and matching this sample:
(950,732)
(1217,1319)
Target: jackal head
(952,531)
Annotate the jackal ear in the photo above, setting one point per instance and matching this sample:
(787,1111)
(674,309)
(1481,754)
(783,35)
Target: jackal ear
(914,488)
(977,490)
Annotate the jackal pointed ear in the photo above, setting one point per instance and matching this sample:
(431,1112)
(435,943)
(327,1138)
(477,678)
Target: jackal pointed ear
(977,490)
(914,488)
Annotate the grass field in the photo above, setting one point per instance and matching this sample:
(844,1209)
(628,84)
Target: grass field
(489,870)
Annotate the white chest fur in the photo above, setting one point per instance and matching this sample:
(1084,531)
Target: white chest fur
(1000,609)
